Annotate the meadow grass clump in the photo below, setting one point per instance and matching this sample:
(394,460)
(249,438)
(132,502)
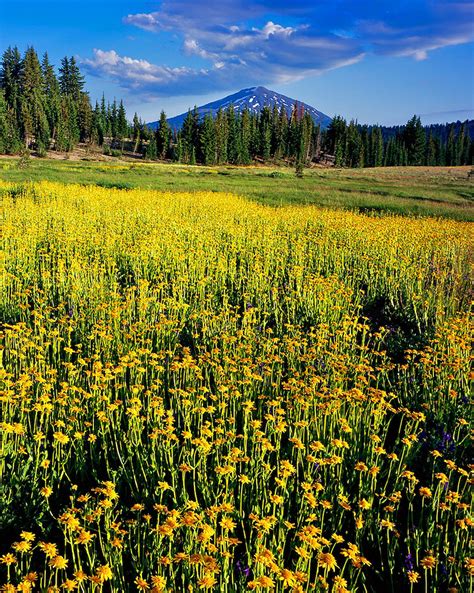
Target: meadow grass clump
(199,392)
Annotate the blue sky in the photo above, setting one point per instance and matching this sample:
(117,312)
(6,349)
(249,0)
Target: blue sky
(376,60)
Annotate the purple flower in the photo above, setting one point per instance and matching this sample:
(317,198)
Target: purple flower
(409,562)
(244,570)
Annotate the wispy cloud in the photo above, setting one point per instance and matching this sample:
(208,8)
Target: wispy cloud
(270,41)
(141,74)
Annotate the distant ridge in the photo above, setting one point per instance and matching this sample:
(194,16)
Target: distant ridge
(254,99)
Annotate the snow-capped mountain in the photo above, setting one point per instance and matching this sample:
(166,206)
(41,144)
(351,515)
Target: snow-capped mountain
(254,99)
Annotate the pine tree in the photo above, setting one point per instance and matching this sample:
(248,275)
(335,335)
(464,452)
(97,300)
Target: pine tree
(221,137)
(189,136)
(293,138)
(317,142)
(84,117)
(103,118)
(466,146)
(52,95)
(76,80)
(299,158)
(451,147)
(265,129)
(367,140)
(254,145)
(306,133)
(113,118)
(275,132)
(33,113)
(440,152)
(377,147)
(280,133)
(178,152)
(10,76)
(122,124)
(146,133)
(402,155)
(208,140)
(336,138)
(9,137)
(245,137)
(64,76)
(163,137)
(3,124)
(68,128)
(136,132)
(353,145)
(431,156)
(97,131)
(150,152)
(414,139)
(420,144)
(461,145)
(71,81)
(233,143)
(388,155)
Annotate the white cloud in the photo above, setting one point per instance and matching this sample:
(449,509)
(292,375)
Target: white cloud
(138,74)
(322,36)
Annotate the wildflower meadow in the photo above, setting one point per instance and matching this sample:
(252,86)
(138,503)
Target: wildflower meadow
(202,393)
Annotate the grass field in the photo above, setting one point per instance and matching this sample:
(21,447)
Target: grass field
(419,191)
(204,392)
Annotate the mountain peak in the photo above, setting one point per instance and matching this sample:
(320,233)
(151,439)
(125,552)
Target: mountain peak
(252,99)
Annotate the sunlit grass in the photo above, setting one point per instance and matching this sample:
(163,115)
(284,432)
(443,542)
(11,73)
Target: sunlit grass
(419,191)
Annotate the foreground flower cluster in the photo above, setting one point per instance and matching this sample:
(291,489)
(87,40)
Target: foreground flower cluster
(199,393)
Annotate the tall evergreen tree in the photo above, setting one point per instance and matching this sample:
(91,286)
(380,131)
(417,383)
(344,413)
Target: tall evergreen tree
(414,138)
(113,119)
(97,133)
(233,146)
(163,137)
(208,140)
(64,76)
(33,102)
(136,134)
(221,137)
(10,77)
(451,147)
(190,136)
(377,147)
(68,129)
(52,95)
(76,80)
(122,124)
(462,147)
(353,146)
(245,137)
(431,152)
(103,122)
(84,117)
(71,80)
(266,133)
(151,152)
(4,124)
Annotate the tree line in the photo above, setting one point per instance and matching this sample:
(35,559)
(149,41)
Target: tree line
(413,144)
(42,109)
